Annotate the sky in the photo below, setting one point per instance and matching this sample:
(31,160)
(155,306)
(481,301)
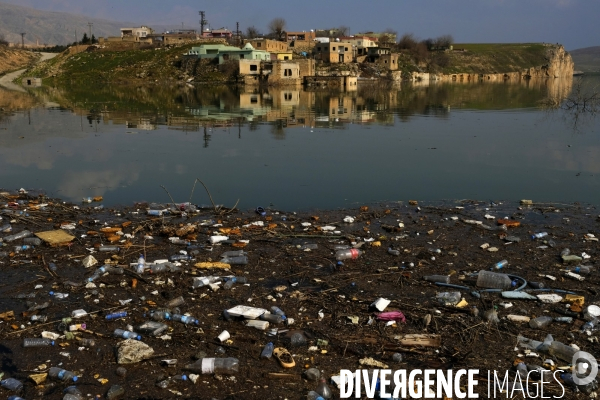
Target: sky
(573,23)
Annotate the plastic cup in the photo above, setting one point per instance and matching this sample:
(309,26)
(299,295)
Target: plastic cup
(224,336)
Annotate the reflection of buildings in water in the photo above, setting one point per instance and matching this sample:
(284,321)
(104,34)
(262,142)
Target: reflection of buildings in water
(143,124)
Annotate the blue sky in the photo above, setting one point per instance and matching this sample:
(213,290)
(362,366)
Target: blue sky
(574,23)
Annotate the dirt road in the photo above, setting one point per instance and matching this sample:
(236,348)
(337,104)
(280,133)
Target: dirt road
(6,80)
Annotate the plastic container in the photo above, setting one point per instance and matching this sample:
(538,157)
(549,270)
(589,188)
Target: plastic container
(62,374)
(437,278)
(32,241)
(349,254)
(539,235)
(540,322)
(500,264)
(185,319)
(236,279)
(324,390)
(267,351)
(37,342)
(562,351)
(116,315)
(17,236)
(219,366)
(126,334)
(204,281)
(493,280)
(141,263)
(12,384)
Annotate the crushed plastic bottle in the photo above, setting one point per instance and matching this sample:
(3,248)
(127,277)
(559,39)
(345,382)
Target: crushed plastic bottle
(116,315)
(539,235)
(62,374)
(236,279)
(540,322)
(437,278)
(324,390)
(37,342)
(204,281)
(126,334)
(237,260)
(141,264)
(17,236)
(493,280)
(12,384)
(500,264)
(185,319)
(267,351)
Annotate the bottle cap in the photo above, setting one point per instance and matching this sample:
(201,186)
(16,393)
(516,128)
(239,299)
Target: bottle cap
(52,343)
(51,293)
(75,379)
(184,377)
(139,337)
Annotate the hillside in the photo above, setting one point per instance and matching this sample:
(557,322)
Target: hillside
(587,59)
(13,59)
(47,27)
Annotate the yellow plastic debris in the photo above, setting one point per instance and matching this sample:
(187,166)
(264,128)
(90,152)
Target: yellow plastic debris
(208,265)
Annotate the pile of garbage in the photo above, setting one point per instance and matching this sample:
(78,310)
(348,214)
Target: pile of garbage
(162,300)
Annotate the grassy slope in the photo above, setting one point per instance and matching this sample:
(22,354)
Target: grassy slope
(12,59)
(587,59)
(496,57)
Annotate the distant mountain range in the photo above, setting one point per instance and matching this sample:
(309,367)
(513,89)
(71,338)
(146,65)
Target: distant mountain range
(48,27)
(587,59)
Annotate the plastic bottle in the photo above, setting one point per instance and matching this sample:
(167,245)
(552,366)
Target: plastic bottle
(12,384)
(540,322)
(276,310)
(158,268)
(59,296)
(38,318)
(308,246)
(437,278)
(493,280)
(5,229)
(500,264)
(86,342)
(537,285)
(562,351)
(272,318)
(267,351)
(235,279)
(393,252)
(62,374)
(116,315)
(312,395)
(180,257)
(185,319)
(109,248)
(15,397)
(17,236)
(23,248)
(141,263)
(522,370)
(237,260)
(180,242)
(115,392)
(565,252)
(204,281)
(590,325)
(324,390)
(219,366)
(234,253)
(312,374)
(176,302)
(157,213)
(32,241)
(97,274)
(126,334)
(539,235)
(37,342)
(449,297)
(160,315)
(583,269)
(347,254)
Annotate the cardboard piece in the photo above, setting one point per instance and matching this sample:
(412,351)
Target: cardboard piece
(55,237)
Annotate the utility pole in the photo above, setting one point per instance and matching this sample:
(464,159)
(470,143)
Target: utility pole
(90,26)
(23,40)
(237,33)
(203,22)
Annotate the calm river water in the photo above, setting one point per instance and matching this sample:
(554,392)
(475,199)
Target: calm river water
(296,149)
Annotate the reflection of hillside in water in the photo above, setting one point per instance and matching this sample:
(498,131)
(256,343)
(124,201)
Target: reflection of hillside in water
(188,108)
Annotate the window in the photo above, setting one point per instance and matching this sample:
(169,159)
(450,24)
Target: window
(258,44)
(225,56)
(287,72)
(345,49)
(254,67)
(253,99)
(241,56)
(318,49)
(287,96)
(333,48)
(286,57)
(385,61)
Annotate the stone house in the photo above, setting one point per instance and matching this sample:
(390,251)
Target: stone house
(300,36)
(224,53)
(362,43)
(279,50)
(135,34)
(383,56)
(218,33)
(334,52)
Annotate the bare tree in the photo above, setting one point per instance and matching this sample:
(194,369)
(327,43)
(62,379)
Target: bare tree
(252,32)
(388,37)
(444,41)
(407,42)
(342,31)
(277,26)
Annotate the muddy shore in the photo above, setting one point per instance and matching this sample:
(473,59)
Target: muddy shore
(328,301)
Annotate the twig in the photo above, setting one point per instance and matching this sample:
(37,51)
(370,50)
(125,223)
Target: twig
(205,188)
(169,194)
